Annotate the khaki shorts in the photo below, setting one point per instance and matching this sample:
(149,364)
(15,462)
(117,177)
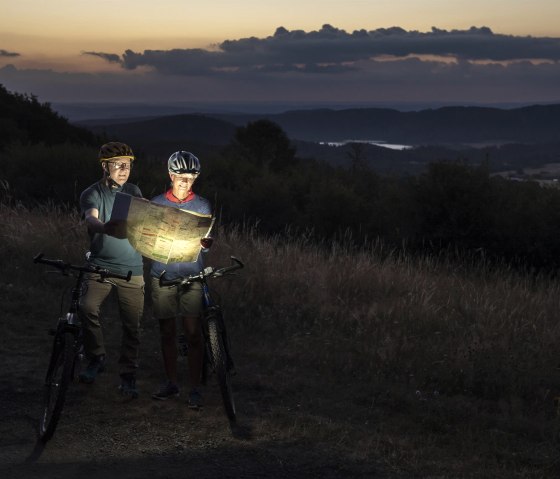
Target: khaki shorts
(168,303)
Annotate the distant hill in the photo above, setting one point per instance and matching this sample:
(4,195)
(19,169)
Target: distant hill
(447,125)
(532,124)
(514,139)
(24,119)
(153,135)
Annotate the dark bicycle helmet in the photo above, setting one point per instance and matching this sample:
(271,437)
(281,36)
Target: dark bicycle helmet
(115,149)
(183,162)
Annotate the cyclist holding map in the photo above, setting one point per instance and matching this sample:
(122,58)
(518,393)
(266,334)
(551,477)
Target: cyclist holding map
(168,304)
(108,250)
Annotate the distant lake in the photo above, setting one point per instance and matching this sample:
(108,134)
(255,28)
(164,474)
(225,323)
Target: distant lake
(384,144)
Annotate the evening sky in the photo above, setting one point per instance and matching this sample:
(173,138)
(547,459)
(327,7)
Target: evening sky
(356,51)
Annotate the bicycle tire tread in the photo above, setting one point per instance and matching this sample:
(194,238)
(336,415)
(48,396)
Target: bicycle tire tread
(62,357)
(219,360)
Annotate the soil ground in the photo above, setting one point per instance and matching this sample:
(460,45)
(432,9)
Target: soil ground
(100,435)
(296,416)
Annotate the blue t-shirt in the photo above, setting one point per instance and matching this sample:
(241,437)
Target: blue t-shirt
(174,270)
(117,255)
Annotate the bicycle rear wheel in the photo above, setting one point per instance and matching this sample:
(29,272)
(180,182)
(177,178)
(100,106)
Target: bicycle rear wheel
(219,359)
(59,376)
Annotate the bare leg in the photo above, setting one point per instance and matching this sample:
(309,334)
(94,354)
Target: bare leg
(195,350)
(168,332)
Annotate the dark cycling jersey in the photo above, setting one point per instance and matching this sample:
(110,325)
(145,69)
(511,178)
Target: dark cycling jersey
(117,255)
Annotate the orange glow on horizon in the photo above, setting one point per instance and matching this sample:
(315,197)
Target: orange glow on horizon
(56,35)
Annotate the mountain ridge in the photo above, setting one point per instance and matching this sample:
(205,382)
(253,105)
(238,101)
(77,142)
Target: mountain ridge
(458,124)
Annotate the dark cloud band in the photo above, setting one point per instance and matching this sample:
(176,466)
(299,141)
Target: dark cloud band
(331,50)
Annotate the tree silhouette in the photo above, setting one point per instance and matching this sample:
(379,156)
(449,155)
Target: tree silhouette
(265,144)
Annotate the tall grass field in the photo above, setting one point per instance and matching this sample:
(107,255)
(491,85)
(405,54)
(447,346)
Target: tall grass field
(423,366)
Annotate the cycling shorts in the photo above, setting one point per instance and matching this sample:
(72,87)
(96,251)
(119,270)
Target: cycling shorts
(168,302)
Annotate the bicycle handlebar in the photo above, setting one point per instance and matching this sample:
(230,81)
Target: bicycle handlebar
(207,273)
(87,268)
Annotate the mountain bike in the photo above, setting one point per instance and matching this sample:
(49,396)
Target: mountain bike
(217,356)
(67,349)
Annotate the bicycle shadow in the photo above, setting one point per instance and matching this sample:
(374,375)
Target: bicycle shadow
(241,431)
(35,453)
(39,445)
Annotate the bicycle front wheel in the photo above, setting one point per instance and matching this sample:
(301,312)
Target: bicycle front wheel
(59,376)
(219,359)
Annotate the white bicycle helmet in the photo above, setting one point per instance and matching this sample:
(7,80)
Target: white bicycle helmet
(183,162)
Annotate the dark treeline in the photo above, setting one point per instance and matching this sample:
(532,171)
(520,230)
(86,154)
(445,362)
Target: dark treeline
(451,206)
(259,178)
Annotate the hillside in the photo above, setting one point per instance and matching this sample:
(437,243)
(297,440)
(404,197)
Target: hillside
(167,133)
(23,119)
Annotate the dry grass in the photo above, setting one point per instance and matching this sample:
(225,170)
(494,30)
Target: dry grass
(429,367)
(459,329)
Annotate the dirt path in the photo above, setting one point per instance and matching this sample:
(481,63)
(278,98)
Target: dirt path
(101,436)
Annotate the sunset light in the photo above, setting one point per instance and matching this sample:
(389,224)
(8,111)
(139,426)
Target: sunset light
(173,50)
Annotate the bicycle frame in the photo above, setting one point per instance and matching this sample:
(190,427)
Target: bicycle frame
(67,345)
(72,319)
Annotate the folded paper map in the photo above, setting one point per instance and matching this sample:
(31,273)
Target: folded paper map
(159,232)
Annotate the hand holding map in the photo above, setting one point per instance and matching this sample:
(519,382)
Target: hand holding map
(159,232)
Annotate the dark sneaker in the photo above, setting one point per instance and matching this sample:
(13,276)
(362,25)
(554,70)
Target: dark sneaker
(95,366)
(195,399)
(128,386)
(166,391)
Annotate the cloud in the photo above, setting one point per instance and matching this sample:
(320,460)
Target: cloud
(407,80)
(326,65)
(5,53)
(110,57)
(330,50)
(182,62)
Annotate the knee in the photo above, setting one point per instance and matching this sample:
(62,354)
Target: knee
(89,312)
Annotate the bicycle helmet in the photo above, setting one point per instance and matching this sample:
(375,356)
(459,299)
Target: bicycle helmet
(183,162)
(115,149)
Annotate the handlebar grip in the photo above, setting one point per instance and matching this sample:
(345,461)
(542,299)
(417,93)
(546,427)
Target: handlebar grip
(126,277)
(240,263)
(57,263)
